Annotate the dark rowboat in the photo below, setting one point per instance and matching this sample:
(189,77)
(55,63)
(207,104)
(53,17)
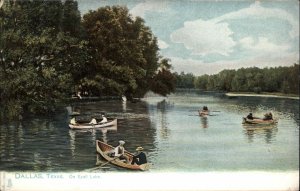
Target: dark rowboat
(259,121)
(78,125)
(103,149)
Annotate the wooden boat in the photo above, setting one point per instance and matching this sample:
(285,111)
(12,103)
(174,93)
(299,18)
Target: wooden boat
(259,121)
(103,149)
(203,113)
(78,125)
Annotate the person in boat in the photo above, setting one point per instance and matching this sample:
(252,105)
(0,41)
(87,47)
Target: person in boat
(93,121)
(104,119)
(73,121)
(119,151)
(268,116)
(250,116)
(205,108)
(140,157)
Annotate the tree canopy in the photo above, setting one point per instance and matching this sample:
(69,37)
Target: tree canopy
(278,79)
(124,55)
(47,51)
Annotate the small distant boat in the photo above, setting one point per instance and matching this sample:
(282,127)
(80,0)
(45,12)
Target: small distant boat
(78,125)
(103,149)
(203,113)
(259,121)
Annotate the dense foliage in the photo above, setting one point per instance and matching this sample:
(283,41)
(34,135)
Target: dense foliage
(184,80)
(47,52)
(125,56)
(278,79)
(36,55)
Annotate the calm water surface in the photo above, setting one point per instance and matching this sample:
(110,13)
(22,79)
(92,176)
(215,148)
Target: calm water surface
(174,137)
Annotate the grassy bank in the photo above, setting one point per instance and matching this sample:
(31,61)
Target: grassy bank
(263,94)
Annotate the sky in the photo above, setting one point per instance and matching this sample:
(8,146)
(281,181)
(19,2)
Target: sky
(206,37)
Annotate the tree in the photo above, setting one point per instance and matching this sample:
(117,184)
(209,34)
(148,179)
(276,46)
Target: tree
(37,57)
(124,51)
(185,80)
(164,81)
(201,82)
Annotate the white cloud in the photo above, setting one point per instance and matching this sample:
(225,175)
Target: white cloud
(205,37)
(262,46)
(162,44)
(257,11)
(214,36)
(147,6)
(198,67)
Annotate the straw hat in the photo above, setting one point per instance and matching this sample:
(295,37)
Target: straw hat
(139,149)
(122,142)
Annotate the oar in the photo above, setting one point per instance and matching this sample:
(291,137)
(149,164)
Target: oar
(101,166)
(204,115)
(200,110)
(108,161)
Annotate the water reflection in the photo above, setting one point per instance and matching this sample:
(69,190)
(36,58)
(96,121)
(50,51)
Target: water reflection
(163,129)
(124,106)
(92,135)
(254,132)
(162,117)
(260,105)
(105,130)
(204,122)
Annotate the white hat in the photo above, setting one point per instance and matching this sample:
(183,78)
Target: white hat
(139,149)
(122,142)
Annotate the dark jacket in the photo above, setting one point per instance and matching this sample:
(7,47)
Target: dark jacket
(249,116)
(139,159)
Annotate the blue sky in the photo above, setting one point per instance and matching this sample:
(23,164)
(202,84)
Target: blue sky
(205,37)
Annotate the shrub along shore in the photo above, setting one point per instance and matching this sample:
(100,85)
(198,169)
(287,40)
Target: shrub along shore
(263,94)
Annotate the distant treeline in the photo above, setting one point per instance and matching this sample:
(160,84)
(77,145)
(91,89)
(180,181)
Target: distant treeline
(278,79)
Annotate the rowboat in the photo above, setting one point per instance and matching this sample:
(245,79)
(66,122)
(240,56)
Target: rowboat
(259,121)
(203,113)
(103,149)
(78,125)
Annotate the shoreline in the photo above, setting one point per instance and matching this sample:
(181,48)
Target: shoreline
(231,94)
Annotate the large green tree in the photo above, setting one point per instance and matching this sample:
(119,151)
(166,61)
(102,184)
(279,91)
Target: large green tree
(37,56)
(125,57)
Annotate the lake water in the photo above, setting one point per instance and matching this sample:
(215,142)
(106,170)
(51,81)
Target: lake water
(174,137)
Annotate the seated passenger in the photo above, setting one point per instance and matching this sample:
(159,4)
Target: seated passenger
(268,116)
(119,151)
(73,121)
(104,119)
(250,116)
(93,121)
(140,157)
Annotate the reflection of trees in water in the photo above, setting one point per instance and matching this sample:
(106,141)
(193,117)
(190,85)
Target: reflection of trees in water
(162,106)
(24,145)
(268,133)
(46,143)
(11,138)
